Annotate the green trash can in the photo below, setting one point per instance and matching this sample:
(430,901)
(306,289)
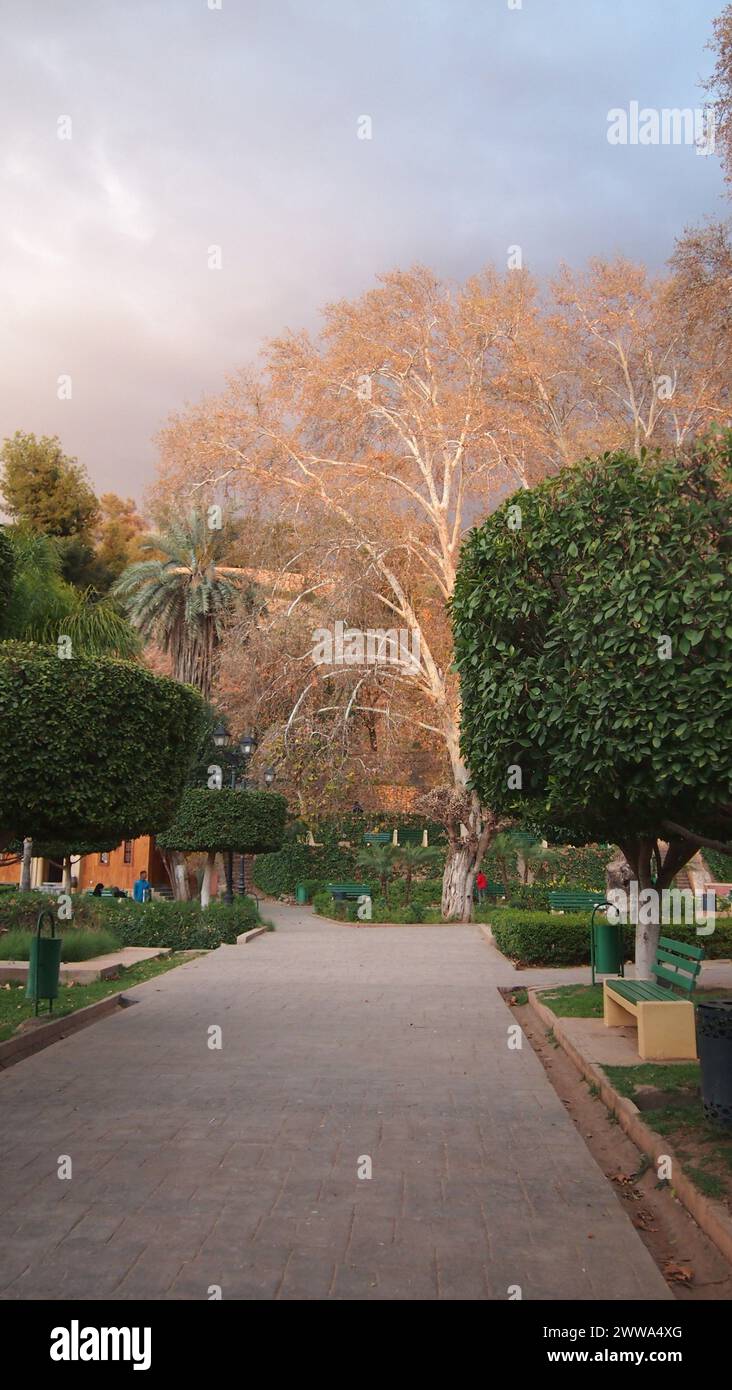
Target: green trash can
(301,893)
(606,947)
(44,963)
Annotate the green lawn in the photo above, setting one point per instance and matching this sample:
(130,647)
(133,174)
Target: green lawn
(585,1001)
(673,1108)
(574,1001)
(669,1076)
(14,1007)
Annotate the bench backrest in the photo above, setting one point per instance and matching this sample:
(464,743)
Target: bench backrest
(410,835)
(677,964)
(357,888)
(378,837)
(575,898)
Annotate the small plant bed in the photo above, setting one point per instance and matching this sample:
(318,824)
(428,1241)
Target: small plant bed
(669,1099)
(180,926)
(79,943)
(15,1008)
(382,913)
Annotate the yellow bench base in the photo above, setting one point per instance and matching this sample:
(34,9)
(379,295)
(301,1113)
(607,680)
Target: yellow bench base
(666,1030)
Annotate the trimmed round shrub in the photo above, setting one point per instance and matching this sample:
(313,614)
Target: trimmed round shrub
(93,749)
(208,820)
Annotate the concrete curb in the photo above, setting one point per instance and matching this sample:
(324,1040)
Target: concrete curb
(23,1045)
(711,1216)
(251,935)
(82,972)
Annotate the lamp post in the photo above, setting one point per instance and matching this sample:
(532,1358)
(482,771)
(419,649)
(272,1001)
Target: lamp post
(237,758)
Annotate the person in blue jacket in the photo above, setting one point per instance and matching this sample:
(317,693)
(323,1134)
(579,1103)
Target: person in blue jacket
(141,890)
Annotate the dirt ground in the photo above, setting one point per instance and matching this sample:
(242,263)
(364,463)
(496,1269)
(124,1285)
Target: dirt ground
(692,1265)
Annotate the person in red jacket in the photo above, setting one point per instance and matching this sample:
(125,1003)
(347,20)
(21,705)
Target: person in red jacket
(481,883)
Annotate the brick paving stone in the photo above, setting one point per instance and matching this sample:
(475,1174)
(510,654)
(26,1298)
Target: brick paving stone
(238,1167)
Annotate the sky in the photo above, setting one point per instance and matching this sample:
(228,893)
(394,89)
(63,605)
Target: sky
(236,124)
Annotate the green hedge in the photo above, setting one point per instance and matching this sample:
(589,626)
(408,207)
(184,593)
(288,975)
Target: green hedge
(543,938)
(178,926)
(579,868)
(531,896)
(326,906)
(93,748)
(206,820)
(352,828)
(295,863)
(539,938)
(7,575)
(719,865)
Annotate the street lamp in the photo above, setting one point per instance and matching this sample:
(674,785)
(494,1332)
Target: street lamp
(221,734)
(247,744)
(236,756)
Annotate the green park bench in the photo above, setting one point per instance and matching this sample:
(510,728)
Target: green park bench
(410,835)
(344,892)
(575,900)
(665,1019)
(378,837)
(493,889)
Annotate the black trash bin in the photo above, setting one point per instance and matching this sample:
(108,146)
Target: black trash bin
(714,1045)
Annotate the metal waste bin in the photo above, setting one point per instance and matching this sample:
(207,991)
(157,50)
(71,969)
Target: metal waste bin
(301,893)
(606,946)
(714,1045)
(44,963)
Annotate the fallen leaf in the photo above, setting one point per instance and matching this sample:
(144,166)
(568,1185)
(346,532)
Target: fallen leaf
(681,1274)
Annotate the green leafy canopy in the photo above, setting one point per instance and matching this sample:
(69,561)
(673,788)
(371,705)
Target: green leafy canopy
(93,749)
(558,633)
(210,820)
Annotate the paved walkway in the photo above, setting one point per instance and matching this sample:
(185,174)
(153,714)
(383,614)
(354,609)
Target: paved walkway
(238,1168)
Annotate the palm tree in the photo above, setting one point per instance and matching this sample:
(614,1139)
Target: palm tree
(414,857)
(183,600)
(43,607)
(379,860)
(538,859)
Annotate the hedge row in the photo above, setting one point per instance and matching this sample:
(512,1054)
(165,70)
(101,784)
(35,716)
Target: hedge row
(538,938)
(579,868)
(326,906)
(294,863)
(178,926)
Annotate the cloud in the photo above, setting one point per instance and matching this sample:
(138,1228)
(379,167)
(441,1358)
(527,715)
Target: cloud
(238,128)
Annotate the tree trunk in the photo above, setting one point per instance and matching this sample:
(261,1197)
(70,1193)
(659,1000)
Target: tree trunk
(646,934)
(66,874)
(457,882)
(175,867)
(642,854)
(470,829)
(207,875)
(25,867)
